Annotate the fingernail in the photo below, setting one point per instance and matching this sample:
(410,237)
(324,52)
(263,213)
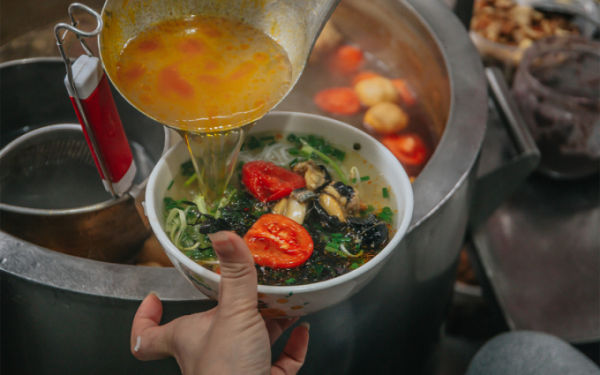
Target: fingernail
(138,343)
(153,293)
(305,325)
(221,243)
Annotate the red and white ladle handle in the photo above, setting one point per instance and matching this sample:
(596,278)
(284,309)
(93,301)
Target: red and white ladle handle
(95,107)
(93,91)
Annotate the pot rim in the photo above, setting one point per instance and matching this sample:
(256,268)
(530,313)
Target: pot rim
(465,128)
(131,194)
(441,177)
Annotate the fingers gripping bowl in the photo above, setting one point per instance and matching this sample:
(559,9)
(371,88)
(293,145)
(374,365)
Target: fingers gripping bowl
(294,300)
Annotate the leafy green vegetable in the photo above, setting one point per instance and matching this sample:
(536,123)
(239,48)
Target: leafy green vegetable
(254,142)
(201,254)
(385,193)
(187,169)
(365,178)
(170,185)
(190,180)
(337,243)
(386,215)
(171,203)
(290,281)
(367,211)
(312,153)
(181,225)
(294,162)
(319,144)
(318,269)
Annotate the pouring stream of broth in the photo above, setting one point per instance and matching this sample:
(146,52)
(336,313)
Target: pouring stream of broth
(209,78)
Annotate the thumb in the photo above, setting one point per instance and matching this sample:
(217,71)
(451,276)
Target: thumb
(149,340)
(238,275)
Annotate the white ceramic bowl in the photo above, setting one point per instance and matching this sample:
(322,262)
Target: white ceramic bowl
(286,301)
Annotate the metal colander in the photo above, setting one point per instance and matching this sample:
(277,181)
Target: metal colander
(50,168)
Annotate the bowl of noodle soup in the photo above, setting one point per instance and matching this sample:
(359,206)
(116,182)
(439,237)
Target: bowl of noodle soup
(376,175)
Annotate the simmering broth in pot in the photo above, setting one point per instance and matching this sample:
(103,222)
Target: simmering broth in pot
(344,80)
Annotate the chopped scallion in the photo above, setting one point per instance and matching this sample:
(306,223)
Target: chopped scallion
(386,215)
(385,192)
(190,180)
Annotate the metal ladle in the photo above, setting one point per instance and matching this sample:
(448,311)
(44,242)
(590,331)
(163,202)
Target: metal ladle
(295,25)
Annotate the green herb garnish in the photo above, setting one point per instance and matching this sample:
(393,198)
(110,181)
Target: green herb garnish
(319,144)
(187,169)
(386,215)
(318,269)
(190,180)
(312,153)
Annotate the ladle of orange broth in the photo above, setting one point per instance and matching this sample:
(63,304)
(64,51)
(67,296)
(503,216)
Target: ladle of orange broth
(209,78)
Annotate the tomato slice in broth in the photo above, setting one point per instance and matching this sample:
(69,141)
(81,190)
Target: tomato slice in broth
(276,241)
(269,182)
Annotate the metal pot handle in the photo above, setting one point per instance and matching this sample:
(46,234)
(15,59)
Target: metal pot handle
(503,166)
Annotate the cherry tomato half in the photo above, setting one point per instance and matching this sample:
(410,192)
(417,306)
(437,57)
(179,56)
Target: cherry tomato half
(346,60)
(269,182)
(408,148)
(338,101)
(276,241)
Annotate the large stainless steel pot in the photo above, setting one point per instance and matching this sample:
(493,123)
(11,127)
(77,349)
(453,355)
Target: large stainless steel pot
(65,314)
(34,97)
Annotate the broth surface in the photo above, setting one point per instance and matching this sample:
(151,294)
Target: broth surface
(203,73)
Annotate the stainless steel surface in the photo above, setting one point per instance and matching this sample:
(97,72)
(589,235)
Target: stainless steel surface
(109,229)
(541,254)
(390,324)
(500,179)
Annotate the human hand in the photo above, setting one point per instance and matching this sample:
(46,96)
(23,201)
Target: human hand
(231,338)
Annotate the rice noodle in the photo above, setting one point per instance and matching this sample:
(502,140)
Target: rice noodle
(276,153)
(348,253)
